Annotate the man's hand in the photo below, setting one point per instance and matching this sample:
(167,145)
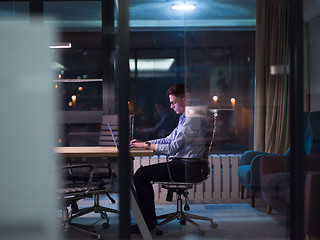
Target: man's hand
(136,144)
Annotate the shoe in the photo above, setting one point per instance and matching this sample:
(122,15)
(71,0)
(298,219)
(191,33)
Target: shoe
(134,229)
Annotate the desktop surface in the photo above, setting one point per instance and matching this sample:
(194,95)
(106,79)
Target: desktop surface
(100,151)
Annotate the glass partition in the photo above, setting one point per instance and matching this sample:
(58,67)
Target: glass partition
(214,50)
(235,60)
(311,90)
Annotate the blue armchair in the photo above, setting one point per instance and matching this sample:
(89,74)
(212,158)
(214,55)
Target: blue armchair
(249,165)
(249,172)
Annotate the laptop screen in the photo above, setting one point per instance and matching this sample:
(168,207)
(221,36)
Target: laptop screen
(112,134)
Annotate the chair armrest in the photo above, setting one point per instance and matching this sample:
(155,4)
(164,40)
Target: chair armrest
(83,166)
(273,164)
(77,166)
(255,162)
(255,168)
(247,157)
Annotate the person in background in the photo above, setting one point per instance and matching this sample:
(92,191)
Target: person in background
(166,123)
(187,140)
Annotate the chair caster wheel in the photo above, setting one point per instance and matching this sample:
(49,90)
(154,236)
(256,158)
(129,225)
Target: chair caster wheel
(201,232)
(182,221)
(214,225)
(159,232)
(106,225)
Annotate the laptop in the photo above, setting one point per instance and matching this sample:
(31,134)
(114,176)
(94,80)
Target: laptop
(114,137)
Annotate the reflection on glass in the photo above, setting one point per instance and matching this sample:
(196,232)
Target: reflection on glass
(79,95)
(215,72)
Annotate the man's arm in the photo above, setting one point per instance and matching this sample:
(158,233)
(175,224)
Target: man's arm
(147,145)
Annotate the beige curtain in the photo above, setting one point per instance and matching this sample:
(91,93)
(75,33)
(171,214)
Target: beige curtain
(271,130)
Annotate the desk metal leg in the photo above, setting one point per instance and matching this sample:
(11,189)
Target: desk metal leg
(136,210)
(139,218)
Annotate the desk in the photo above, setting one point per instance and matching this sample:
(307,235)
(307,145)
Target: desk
(99,151)
(111,153)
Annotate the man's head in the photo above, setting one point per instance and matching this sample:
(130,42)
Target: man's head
(177,97)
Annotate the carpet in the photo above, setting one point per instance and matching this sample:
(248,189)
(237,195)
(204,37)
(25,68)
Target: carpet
(235,221)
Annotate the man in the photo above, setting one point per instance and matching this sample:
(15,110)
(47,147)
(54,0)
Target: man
(187,140)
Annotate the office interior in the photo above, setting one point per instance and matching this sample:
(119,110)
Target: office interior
(65,64)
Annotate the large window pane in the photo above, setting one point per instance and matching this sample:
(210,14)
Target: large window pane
(216,63)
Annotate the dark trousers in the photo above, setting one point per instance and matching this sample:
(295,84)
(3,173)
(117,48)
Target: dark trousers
(180,172)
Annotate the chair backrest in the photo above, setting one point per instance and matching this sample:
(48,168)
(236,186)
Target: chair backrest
(211,128)
(105,137)
(101,170)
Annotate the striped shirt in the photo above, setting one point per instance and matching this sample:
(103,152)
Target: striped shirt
(186,140)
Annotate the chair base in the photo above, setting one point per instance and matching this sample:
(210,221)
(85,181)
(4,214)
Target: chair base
(66,224)
(184,217)
(97,208)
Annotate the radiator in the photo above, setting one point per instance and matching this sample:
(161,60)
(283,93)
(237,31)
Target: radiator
(222,184)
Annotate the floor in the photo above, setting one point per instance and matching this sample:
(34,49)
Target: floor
(235,221)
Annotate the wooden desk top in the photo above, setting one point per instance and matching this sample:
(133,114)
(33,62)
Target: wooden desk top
(99,151)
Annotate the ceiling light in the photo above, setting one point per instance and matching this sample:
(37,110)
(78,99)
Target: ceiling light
(61,45)
(163,64)
(183,6)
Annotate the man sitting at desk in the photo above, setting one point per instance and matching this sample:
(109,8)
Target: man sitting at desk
(187,140)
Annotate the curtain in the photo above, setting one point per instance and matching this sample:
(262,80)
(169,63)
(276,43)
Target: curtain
(271,130)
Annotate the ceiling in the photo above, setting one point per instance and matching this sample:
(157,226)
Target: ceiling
(144,14)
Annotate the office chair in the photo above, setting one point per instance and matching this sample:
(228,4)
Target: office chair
(98,183)
(103,177)
(181,190)
(70,192)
